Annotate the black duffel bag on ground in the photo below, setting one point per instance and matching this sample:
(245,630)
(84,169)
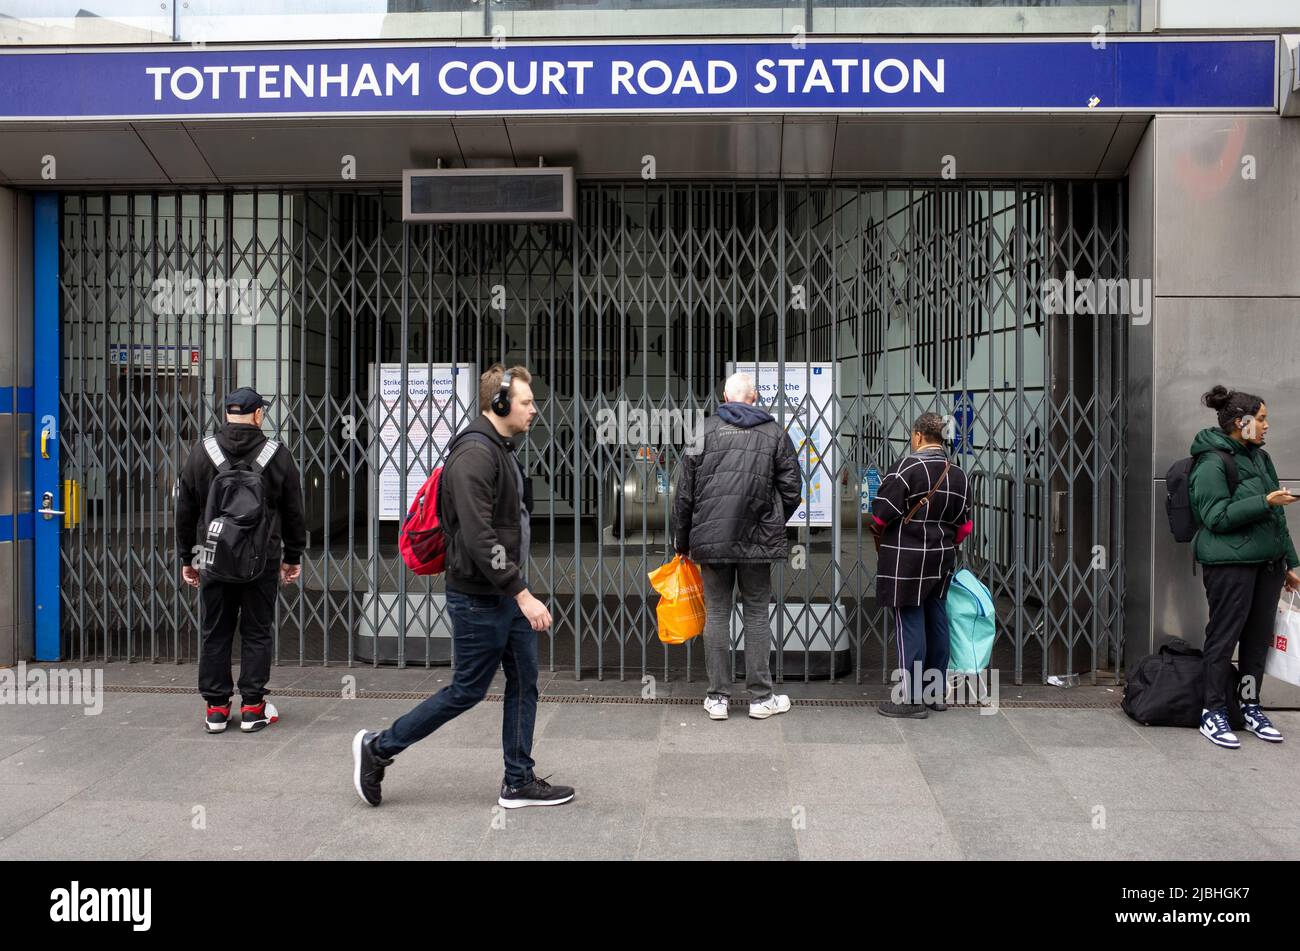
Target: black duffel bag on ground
(1165,688)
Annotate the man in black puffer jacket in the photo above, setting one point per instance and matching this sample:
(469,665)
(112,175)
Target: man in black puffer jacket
(733,500)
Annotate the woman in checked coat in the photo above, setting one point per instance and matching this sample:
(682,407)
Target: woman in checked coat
(921,513)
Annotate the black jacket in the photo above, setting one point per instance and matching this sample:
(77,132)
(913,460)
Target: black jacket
(917,559)
(478,506)
(735,496)
(280,487)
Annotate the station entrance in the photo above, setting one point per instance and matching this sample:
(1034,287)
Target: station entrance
(864,303)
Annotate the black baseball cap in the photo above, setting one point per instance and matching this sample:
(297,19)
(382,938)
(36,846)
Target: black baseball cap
(245,400)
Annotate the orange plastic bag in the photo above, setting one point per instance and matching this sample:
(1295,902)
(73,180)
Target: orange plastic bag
(681,600)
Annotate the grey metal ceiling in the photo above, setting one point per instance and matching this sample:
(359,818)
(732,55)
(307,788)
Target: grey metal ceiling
(247,151)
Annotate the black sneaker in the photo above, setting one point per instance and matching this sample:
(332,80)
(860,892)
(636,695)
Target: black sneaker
(217,718)
(367,767)
(536,793)
(907,711)
(254,717)
(938,706)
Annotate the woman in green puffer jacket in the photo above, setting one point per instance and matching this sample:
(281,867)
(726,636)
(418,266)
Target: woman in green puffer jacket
(1247,554)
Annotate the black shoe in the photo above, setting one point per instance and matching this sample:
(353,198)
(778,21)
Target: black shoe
(217,718)
(938,706)
(536,793)
(367,767)
(908,711)
(254,717)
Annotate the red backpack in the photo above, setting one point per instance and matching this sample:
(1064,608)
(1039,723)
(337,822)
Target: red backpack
(422,541)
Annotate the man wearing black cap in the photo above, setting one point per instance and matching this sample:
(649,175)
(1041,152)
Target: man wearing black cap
(239,504)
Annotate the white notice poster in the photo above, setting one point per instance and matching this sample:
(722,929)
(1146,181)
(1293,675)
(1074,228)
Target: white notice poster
(440,398)
(808,413)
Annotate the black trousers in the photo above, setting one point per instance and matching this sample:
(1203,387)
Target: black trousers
(1243,603)
(251,606)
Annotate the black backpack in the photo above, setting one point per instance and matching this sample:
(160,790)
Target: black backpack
(1166,688)
(239,523)
(1178,497)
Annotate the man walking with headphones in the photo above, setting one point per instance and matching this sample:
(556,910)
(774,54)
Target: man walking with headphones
(483,506)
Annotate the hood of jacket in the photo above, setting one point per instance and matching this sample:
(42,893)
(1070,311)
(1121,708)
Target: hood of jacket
(240,440)
(1214,438)
(744,415)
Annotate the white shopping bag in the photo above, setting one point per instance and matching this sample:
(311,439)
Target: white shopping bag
(1284,652)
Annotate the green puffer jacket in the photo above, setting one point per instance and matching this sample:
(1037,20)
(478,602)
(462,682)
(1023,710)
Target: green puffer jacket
(1242,529)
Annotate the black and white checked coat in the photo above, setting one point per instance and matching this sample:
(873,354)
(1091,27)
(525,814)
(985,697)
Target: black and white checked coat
(917,560)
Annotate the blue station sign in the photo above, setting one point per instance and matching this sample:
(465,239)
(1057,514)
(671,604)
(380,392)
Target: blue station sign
(1130,74)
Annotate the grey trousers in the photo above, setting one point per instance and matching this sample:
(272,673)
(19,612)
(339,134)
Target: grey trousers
(755,581)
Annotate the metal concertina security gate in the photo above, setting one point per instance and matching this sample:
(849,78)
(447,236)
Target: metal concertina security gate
(916,296)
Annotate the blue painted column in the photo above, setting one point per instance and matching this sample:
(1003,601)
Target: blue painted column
(46,363)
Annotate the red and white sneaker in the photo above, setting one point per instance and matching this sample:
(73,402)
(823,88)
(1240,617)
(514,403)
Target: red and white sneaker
(259,717)
(217,718)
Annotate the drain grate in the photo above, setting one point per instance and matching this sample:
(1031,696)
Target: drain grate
(414,695)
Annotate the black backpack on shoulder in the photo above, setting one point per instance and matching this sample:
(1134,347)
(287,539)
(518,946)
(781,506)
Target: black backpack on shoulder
(1178,497)
(239,522)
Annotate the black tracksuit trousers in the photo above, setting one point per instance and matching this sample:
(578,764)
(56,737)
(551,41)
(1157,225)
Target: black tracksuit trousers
(1243,604)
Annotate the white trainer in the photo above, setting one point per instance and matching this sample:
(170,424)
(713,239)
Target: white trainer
(716,707)
(772,705)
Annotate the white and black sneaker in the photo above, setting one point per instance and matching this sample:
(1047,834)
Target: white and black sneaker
(1259,724)
(1214,727)
(536,793)
(769,706)
(216,719)
(716,707)
(368,767)
(254,717)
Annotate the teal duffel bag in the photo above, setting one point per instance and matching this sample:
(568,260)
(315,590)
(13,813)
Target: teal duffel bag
(971,626)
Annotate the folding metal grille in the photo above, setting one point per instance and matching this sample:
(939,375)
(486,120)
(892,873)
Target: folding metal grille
(921,296)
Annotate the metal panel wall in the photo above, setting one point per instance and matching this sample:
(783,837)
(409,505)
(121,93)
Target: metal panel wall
(914,294)
(15,427)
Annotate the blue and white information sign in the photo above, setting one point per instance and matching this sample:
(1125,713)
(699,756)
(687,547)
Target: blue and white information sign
(1129,74)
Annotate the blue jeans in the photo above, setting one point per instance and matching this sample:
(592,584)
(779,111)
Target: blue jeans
(487,632)
(923,649)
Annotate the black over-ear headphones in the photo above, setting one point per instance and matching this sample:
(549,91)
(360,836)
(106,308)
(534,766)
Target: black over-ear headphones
(501,402)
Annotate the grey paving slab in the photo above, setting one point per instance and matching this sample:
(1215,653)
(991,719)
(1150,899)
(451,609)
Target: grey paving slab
(723,838)
(853,778)
(22,805)
(603,721)
(583,829)
(1109,729)
(101,829)
(602,772)
(278,824)
(186,770)
(1281,834)
(12,743)
(1061,837)
(69,757)
(435,831)
(743,785)
(1186,836)
(910,833)
(1128,778)
(809,723)
(961,732)
(995,786)
(689,730)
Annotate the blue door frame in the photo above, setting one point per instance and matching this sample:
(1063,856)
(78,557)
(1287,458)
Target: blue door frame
(45,417)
